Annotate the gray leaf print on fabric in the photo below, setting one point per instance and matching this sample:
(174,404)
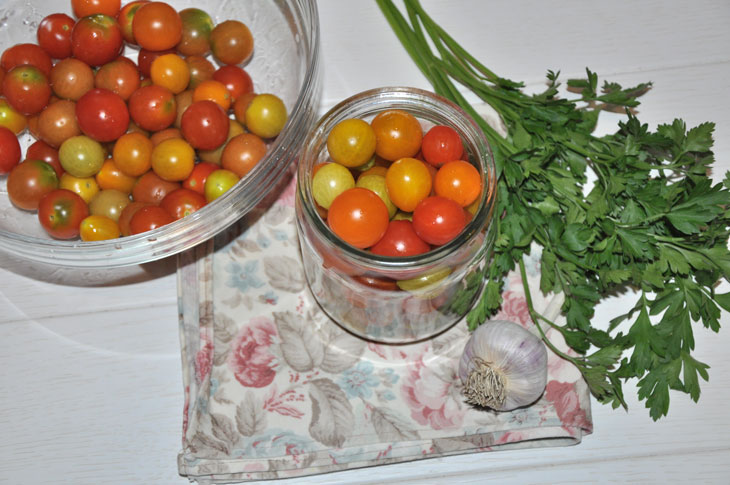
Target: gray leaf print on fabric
(224,329)
(391,427)
(243,246)
(250,416)
(332,418)
(342,352)
(209,446)
(223,429)
(301,347)
(285,273)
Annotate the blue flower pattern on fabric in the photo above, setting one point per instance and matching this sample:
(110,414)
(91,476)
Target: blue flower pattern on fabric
(359,380)
(243,276)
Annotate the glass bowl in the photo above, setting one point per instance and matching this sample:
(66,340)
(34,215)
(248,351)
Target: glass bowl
(285,62)
(389,299)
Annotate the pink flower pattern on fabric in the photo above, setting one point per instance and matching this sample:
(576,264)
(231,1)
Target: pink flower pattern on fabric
(431,399)
(567,404)
(250,359)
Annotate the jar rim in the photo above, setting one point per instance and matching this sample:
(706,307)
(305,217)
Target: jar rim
(400,97)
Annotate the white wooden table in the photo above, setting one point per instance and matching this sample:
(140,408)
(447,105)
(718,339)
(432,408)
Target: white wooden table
(91,386)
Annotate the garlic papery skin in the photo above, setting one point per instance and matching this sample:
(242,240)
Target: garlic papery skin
(503,366)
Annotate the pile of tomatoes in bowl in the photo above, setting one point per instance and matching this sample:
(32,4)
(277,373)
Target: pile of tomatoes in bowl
(122,147)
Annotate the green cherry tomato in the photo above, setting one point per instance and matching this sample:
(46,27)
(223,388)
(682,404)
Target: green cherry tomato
(81,156)
(218,183)
(351,143)
(425,280)
(376,183)
(330,181)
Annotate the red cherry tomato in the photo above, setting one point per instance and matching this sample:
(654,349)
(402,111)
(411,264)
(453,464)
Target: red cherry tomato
(60,212)
(96,39)
(196,179)
(9,150)
(21,54)
(438,220)
(205,125)
(182,202)
(459,181)
(119,76)
(54,35)
(235,79)
(41,150)
(359,217)
(82,8)
(441,144)
(26,88)
(102,115)
(148,218)
(400,240)
(29,181)
(151,188)
(153,107)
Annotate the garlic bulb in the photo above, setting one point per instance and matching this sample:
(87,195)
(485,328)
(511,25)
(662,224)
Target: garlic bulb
(503,366)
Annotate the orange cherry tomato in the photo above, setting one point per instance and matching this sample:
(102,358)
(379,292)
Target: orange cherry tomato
(111,177)
(398,134)
(82,8)
(359,217)
(170,71)
(459,181)
(173,159)
(215,91)
(156,26)
(132,154)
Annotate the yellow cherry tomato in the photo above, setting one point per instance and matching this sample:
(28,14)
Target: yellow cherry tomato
(173,159)
(98,228)
(266,115)
(352,143)
(86,187)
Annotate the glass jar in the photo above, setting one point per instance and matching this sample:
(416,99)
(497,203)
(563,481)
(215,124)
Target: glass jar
(396,299)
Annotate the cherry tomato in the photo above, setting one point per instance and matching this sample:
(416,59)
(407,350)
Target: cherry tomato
(85,187)
(377,184)
(438,220)
(329,181)
(266,115)
(148,218)
(156,26)
(57,122)
(385,284)
(10,118)
(205,125)
(127,214)
(213,90)
(150,188)
(376,170)
(109,203)
(170,71)
(98,228)
(54,35)
(173,159)
(41,150)
(22,54)
(159,136)
(132,154)
(235,79)
(71,79)
(81,156)
(153,107)
(242,153)
(9,150)
(459,181)
(218,183)
(215,155)
(60,212)
(119,76)
(441,144)
(182,100)
(400,240)
(125,17)
(82,8)
(201,69)
(409,182)
(96,39)
(196,28)
(102,115)
(196,179)
(111,177)
(182,202)
(29,181)
(241,105)
(26,88)
(358,216)
(398,134)
(231,42)
(351,142)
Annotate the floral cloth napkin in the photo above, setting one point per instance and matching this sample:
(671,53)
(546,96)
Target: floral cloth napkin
(274,388)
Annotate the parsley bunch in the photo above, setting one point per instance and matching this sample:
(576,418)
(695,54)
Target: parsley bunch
(653,221)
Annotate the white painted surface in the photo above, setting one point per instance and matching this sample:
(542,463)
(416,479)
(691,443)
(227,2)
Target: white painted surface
(91,385)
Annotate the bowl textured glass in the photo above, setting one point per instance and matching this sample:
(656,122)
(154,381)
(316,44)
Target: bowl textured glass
(285,62)
(388,299)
